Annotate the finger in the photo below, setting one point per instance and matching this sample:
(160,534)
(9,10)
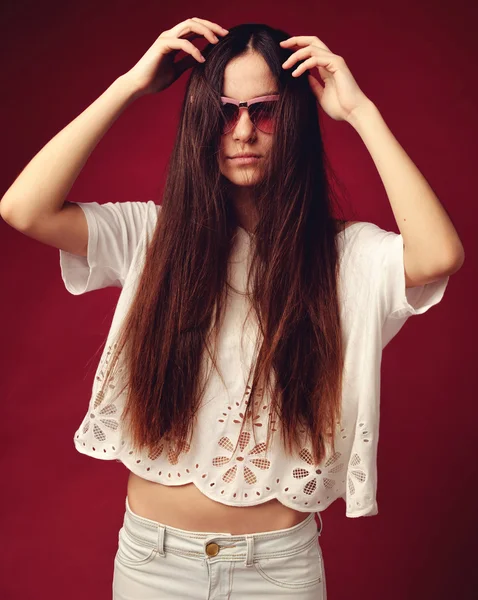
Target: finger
(317,88)
(302,40)
(174,43)
(308,64)
(299,55)
(193,27)
(213,26)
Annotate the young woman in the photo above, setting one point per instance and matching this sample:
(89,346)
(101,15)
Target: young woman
(239,382)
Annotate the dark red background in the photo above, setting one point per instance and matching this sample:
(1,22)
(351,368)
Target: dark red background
(61,511)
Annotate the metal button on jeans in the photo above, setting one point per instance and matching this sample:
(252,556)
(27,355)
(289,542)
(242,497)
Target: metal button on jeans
(212,549)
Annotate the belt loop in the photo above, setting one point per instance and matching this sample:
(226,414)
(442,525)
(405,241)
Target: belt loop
(250,550)
(321,524)
(161,529)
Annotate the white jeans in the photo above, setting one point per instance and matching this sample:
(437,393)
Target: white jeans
(155,562)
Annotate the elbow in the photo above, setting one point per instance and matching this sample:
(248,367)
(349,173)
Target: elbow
(453,263)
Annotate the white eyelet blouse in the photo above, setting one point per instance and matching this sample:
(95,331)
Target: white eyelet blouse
(374,306)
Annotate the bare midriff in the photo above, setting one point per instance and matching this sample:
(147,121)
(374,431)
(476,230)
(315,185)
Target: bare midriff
(186,507)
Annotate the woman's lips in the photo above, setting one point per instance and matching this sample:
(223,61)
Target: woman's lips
(245,160)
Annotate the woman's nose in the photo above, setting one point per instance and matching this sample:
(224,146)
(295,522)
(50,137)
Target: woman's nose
(244,127)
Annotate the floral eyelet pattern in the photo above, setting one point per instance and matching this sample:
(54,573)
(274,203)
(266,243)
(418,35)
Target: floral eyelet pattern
(235,468)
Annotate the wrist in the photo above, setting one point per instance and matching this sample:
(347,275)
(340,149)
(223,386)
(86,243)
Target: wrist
(127,86)
(361,113)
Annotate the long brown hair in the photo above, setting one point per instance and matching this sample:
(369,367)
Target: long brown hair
(178,307)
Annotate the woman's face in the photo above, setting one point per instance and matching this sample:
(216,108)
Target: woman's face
(245,77)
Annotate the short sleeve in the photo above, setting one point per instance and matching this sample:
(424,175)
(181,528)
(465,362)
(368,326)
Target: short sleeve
(114,232)
(396,302)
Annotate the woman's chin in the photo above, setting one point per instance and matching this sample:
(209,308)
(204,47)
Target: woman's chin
(244,178)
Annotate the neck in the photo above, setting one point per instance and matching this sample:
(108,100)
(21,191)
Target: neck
(244,208)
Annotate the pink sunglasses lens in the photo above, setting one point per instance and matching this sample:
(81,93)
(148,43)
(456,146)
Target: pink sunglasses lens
(262,114)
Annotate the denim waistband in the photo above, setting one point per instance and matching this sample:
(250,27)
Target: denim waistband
(202,545)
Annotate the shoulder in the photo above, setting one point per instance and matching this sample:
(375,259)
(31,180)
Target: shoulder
(341,225)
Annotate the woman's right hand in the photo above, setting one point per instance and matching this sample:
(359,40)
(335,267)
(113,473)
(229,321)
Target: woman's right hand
(156,70)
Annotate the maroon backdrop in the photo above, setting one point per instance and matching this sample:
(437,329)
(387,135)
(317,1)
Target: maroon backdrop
(61,511)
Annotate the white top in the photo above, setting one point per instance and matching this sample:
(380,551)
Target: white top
(374,305)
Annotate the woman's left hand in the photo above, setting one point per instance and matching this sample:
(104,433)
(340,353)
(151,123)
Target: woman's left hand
(341,95)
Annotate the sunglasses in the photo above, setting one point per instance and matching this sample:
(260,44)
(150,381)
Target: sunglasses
(262,112)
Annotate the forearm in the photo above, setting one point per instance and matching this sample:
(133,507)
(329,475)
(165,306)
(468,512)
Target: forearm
(427,231)
(42,186)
